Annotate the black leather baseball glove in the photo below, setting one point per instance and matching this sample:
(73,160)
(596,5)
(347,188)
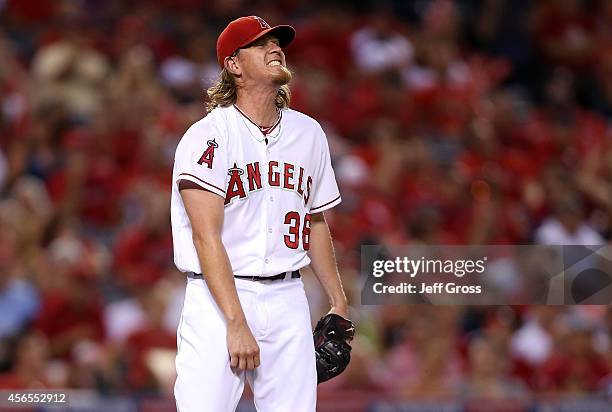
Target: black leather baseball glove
(332,351)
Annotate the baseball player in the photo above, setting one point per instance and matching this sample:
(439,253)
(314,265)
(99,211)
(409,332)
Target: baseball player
(251,181)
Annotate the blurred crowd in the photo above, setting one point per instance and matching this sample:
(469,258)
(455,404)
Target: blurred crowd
(449,122)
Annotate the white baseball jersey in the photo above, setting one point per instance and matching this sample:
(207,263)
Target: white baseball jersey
(271,185)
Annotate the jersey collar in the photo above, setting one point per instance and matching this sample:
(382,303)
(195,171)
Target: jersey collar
(261,133)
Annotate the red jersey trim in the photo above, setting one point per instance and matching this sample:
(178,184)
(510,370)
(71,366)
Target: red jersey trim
(337,199)
(202,181)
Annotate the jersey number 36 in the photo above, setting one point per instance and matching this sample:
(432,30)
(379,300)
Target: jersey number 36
(292,240)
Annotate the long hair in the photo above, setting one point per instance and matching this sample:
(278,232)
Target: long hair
(225,92)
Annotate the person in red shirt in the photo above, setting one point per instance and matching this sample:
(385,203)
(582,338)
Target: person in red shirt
(575,367)
(151,336)
(143,250)
(71,313)
(30,364)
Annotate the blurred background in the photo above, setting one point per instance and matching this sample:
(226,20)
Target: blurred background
(449,122)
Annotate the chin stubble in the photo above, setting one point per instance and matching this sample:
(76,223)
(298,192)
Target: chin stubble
(283,77)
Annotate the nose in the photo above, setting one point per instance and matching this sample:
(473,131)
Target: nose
(273,46)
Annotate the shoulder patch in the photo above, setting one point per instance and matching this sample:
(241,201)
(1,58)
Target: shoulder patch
(209,154)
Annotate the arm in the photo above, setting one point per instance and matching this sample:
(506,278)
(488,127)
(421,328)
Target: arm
(216,268)
(323,264)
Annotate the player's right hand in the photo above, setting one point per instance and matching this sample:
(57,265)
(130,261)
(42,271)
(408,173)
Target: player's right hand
(243,349)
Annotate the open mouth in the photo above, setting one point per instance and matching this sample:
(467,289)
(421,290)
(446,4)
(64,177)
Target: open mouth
(275,63)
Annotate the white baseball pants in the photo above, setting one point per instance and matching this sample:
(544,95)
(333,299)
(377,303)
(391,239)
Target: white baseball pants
(278,315)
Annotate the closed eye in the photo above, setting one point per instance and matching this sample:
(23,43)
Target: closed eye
(264,41)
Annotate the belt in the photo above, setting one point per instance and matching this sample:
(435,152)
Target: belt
(281,276)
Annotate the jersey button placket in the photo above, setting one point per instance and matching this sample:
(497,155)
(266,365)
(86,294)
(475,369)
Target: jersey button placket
(269,213)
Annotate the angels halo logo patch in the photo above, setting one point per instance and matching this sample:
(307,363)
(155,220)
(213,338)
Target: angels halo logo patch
(209,154)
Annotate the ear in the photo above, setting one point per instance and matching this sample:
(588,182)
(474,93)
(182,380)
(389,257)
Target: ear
(232,66)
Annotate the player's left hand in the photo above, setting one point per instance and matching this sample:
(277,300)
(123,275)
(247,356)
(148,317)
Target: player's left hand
(332,349)
(341,310)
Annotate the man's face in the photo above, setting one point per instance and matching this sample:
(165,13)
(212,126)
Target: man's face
(261,61)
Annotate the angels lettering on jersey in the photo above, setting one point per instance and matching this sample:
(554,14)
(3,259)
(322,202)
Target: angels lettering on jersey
(247,179)
(294,162)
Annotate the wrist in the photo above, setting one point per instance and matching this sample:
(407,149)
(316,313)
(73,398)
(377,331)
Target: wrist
(341,309)
(339,302)
(235,321)
(340,306)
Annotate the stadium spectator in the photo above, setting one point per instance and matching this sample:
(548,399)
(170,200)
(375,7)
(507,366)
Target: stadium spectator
(19,300)
(487,376)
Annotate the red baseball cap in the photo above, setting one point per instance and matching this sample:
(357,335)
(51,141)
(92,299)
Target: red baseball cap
(245,30)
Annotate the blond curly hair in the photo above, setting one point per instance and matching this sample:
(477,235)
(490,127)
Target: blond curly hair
(224,93)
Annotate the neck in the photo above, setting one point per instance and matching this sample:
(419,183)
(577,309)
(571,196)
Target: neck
(259,106)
